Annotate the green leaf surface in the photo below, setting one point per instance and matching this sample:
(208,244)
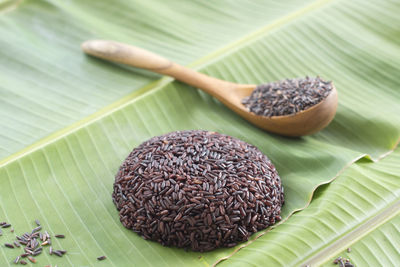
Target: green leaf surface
(65,179)
(67,184)
(360,210)
(378,248)
(47,83)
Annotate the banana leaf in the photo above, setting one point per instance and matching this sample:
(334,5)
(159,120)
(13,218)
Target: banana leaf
(378,248)
(67,121)
(47,82)
(359,210)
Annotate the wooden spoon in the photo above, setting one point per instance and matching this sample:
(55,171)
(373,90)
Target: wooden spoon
(231,94)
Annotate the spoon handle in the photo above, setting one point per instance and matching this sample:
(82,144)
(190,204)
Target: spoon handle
(140,58)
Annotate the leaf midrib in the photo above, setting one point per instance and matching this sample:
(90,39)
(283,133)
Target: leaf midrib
(158,84)
(353,235)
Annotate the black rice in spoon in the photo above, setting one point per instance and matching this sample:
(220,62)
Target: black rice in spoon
(287,97)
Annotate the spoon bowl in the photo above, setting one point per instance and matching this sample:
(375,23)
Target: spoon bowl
(305,122)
